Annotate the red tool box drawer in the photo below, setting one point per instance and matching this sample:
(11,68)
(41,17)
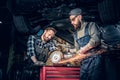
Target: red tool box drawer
(60,73)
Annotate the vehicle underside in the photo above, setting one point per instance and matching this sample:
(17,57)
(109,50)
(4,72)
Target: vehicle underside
(21,18)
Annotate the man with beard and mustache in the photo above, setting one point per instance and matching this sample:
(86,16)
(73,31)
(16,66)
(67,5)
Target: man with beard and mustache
(38,47)
(87,40)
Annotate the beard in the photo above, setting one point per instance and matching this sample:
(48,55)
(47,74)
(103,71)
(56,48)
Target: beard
(45,38)
(77,26)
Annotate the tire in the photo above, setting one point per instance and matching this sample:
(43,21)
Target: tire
(109,11)
(23,25)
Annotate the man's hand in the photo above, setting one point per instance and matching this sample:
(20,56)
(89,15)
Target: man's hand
(77,57)
(39,63)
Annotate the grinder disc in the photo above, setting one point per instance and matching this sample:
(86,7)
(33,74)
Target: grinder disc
(56,56)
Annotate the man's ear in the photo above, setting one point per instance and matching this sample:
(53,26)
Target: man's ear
(45,31)
(80,17)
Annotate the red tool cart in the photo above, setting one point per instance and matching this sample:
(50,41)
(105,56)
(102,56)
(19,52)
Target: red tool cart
(59,73)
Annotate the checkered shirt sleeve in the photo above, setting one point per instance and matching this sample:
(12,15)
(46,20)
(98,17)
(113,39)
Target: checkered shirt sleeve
(52,46)
(30,46)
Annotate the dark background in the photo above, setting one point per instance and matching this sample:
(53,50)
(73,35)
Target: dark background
(20,18)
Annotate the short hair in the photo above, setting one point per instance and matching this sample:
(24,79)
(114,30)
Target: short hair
(51,28)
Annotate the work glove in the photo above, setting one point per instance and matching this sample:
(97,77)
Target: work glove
(39,63)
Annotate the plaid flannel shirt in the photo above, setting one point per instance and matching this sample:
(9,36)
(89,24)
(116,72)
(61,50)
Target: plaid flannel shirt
(31,47)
